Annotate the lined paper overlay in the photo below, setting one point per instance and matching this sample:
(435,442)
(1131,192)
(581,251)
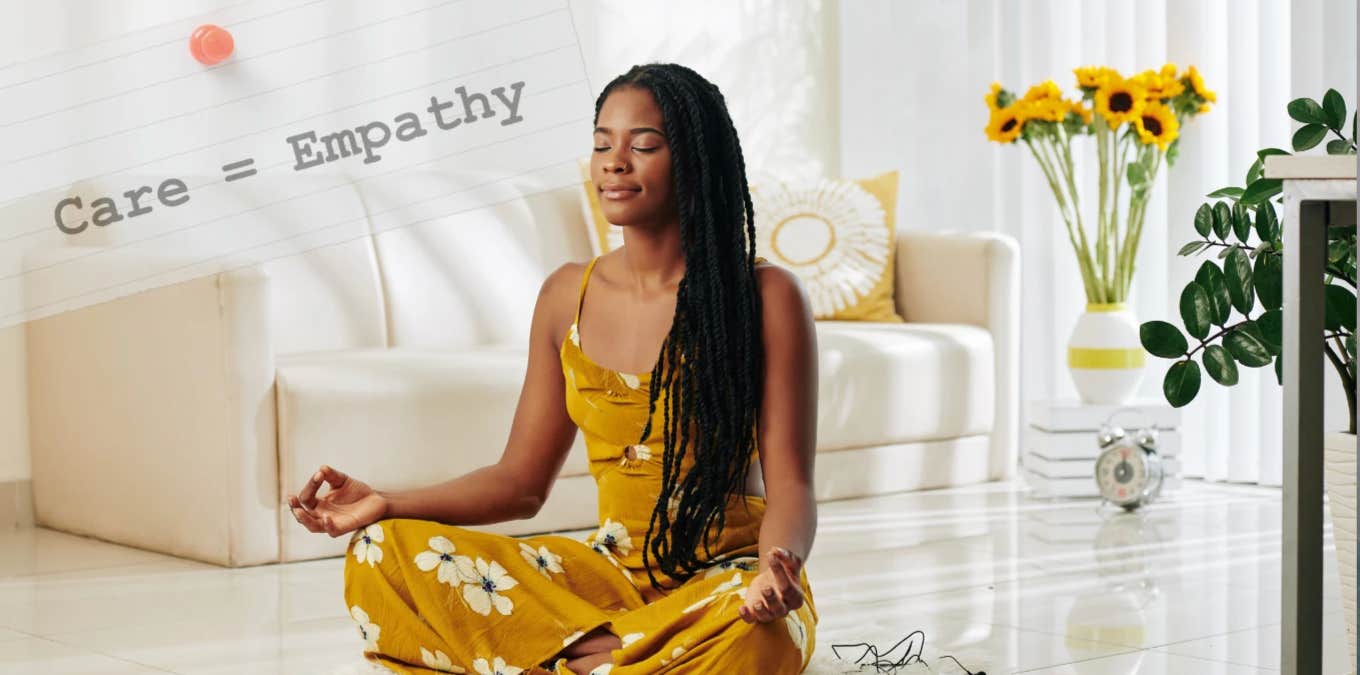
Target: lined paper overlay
(267,154)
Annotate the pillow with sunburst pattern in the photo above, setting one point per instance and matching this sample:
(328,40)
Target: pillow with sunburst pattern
(839,236)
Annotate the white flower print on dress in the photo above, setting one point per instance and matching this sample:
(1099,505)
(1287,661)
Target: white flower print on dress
(732,586)
(630,379)
(441,556)
(631,638)
(482,592)
(797,631)
(496,667)
(602,669)
(439,661)
(675,654)
(543,560)
(573,335)
(572,638)
(367,629)
(365,541)
(615,536)
(747,563)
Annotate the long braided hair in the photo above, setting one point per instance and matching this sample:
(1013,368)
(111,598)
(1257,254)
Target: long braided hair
(714,389)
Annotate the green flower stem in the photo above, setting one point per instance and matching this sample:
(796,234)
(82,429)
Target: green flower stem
(1102,158)
(1083,259)
(1101,285)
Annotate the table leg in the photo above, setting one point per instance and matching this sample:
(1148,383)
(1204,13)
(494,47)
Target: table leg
(1305,247)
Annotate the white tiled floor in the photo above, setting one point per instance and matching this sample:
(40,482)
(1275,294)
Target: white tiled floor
(1000,581)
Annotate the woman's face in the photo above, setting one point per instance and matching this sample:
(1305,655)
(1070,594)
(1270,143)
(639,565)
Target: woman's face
(631,162)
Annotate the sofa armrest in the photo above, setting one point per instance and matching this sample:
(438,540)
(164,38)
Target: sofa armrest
(153,420)
(970,278)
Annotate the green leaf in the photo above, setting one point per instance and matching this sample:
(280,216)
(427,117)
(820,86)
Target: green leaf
(1224,253)
(1279,369)
(1222,220)
(1260,190)
(1162,339)
(1237,274)
(1254,171)
(1267,275)
(1267,225)
(1196,312)
(1247,345)
(1261,248)
(1308,136)
(1271,324)
(1229,192)
(1263,153)
(1220,365)
(1338,250)
(1204,220)
(1241,223)
(1210,277)
(1306,110)
(1137,175)
(1338,147)
(1181,383)
(1173,152)
(1192,247)
(1334,109)
(1340,311)
(1350,345)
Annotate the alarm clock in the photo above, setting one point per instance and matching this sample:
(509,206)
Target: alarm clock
(1129,469)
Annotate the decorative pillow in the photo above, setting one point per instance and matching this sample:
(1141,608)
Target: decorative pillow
(838,236)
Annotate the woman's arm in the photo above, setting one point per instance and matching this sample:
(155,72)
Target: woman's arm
(787,432)
(541,436)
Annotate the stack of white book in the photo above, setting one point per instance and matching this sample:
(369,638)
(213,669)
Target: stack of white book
(1059,446)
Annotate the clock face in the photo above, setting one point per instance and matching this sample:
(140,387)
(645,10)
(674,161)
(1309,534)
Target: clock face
(1122,473)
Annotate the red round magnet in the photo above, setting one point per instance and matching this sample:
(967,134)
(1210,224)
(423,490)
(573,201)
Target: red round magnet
(210,44)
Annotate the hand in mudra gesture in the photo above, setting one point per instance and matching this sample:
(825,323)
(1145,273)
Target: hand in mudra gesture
(774,592)
(349,505)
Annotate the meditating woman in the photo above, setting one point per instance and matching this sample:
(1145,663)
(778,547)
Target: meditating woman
(697,565)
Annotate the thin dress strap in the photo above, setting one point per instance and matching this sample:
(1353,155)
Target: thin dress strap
(581,296)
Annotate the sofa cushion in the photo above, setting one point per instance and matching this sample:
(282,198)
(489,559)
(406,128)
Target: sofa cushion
(894,383)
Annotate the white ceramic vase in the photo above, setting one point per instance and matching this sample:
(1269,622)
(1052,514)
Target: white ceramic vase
(1105,355)
(1339,475)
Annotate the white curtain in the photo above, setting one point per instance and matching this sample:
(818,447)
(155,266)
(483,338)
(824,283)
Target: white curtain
(912,78)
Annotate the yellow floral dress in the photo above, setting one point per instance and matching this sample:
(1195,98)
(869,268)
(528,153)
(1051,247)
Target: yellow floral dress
(434,598)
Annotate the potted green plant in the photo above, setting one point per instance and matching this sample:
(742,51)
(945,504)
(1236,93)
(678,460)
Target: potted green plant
(1250,281)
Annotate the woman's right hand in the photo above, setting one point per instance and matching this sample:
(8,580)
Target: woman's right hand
(349,505)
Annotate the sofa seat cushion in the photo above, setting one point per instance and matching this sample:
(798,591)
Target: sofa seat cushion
(896,383)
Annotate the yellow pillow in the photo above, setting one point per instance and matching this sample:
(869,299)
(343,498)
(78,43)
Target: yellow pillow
(838,236)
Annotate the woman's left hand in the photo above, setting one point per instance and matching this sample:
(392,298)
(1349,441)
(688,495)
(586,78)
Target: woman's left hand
(774,592)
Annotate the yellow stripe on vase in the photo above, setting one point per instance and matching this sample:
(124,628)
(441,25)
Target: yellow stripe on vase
(1105,359)
(1106,307)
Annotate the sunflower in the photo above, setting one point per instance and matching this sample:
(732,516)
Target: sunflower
(1005,124)
(1080,110)
(1043,110)
(1160,86)
(1120,101)
(1044,91)
(992,97)
(1157,124)
(1196,83)
(1092,77)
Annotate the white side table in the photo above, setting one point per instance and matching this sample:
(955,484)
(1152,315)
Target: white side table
(1319,193)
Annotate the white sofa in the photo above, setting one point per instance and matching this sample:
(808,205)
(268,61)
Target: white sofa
(177,419)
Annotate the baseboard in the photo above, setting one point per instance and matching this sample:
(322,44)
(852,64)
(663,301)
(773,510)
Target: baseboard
(16,504)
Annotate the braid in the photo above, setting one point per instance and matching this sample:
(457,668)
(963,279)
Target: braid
(712,361)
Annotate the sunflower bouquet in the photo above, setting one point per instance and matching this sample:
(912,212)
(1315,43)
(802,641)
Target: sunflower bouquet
(1136,122)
